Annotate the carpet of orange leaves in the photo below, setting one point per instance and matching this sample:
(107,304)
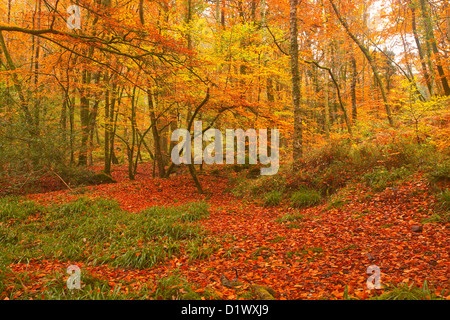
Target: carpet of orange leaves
(363,232)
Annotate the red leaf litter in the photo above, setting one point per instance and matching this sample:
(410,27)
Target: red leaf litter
(317,257)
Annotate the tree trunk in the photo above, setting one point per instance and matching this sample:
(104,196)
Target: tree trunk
(371,61)
(432,40)
(296,94)
(84,119)
(420,51)
(448,24)
(326,108)
(156,137)
(353,89)
(107,151)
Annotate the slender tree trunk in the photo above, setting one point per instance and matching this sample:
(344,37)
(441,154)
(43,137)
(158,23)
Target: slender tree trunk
(18,87)
(84,119)
(151,104)
(327,107)
(63,115)
(92,125)
(222,15)
(107,162)
(448,24)
(371,61)
(420,51)
(217,12)
(72,130)
(93,119)
(190,47)
(131,147)
(432,40)
(353,89)
(296,94)
(156,137)
(37,44)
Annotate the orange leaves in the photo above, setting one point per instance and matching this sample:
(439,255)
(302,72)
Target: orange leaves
(328,251)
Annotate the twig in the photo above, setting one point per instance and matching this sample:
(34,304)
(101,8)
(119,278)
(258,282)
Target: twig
(60,179)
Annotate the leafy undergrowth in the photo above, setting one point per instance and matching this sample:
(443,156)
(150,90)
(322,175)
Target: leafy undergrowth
(193,243)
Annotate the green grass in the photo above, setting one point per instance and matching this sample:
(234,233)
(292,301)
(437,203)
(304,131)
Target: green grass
(15,209)
(200,248)
(170,287)
(290,217)
(440,172)
(272,198)
(336,202)
(55,288)
(173,287)
(264,184)
(305,198)
(437,218)
(444,200)
(443,206)
(380,178)
(308,252)
(349,247)
(408,292)
(98,231)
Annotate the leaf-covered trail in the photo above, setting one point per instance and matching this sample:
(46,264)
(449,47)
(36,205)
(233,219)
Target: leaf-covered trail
(312,257)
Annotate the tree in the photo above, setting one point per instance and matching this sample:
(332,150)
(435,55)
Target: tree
(370,59)
(296,94)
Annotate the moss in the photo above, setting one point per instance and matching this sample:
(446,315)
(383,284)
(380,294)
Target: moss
(101,178)
(264,293)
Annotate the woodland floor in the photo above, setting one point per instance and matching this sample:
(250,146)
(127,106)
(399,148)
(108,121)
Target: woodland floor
(314,257)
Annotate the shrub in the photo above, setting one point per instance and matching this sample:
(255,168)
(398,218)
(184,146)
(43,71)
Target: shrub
(263,184)
(325,156)
(332,166)
(305,198)
(325,169)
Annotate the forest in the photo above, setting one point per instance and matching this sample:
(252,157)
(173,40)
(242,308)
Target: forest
(224,150)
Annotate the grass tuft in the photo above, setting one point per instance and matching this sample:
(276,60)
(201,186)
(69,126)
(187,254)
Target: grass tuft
(305,198)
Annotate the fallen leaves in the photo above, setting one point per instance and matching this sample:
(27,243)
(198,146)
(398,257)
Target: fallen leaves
(319,258)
